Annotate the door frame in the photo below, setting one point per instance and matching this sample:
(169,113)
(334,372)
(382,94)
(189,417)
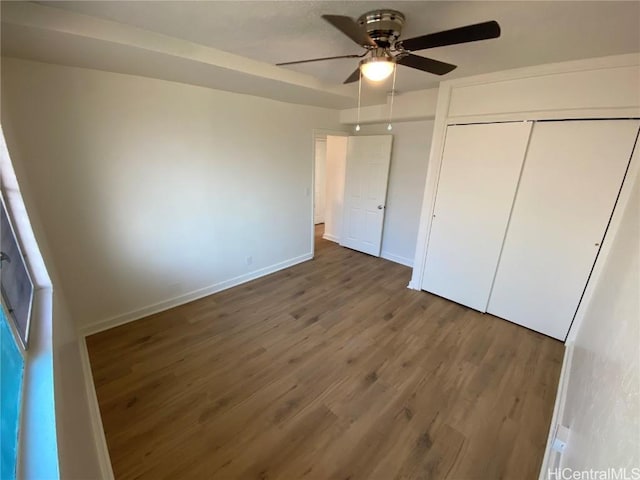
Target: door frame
(318,134)
(353,162)
(585,106)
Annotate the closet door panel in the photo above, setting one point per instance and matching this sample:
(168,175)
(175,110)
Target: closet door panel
(478,179)
(569,184)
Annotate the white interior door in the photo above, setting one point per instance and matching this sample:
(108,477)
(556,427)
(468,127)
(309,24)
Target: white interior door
(365,192)
(320,181)
(478,180)
(570,181)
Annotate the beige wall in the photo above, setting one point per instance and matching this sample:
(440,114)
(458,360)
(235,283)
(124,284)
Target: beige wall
(152,192)
(142,191)
(334,186)
(407,174)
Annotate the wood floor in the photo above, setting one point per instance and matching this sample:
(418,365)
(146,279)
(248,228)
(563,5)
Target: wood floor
(331,369)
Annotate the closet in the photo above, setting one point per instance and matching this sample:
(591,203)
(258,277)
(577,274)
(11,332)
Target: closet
(478,181)
(520,212)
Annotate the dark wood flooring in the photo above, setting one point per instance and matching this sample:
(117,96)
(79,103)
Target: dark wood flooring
(331,369)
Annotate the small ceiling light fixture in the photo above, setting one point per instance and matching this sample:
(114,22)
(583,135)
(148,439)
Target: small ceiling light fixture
(377,67)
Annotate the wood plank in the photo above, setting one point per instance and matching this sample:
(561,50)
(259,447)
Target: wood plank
(329,369)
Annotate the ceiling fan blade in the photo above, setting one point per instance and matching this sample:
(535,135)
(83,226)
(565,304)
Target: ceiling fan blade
(425,64)
(321,59)
(354,77)
(470,33)
(351,29)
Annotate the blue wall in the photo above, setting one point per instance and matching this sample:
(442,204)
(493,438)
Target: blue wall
(11,371)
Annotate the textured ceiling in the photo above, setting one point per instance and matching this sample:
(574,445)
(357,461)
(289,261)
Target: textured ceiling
(533,32)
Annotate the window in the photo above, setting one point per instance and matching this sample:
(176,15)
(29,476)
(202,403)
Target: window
(15,282)
(12,365)
(17,297)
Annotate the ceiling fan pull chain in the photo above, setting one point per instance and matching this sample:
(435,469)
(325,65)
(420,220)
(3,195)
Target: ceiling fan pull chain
(359,94)
(393,93)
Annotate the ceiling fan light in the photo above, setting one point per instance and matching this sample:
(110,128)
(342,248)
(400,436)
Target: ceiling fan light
(377,68)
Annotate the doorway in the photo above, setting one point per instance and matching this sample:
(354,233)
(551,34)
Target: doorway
(356,166)
(330,153)
(319,187)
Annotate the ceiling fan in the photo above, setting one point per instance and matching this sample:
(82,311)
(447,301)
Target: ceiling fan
(378,32)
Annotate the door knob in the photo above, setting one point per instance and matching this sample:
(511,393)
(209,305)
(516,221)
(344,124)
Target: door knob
(380,207)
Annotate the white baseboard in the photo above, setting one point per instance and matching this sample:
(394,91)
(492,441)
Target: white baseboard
(189,297)
(331,238)
(551,458)
(94,409)
(94,412)
(407,262)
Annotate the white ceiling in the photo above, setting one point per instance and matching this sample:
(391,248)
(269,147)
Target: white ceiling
(533,32)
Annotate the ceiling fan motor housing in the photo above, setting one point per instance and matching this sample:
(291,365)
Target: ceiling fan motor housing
(383,26)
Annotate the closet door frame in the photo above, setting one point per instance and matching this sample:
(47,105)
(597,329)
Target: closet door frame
(585,98)
(633,170)
(551,310)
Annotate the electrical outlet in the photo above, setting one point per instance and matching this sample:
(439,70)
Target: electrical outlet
(249,260)
(560,438)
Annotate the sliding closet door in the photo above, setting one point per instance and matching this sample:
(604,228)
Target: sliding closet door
(478,179)
(570,180)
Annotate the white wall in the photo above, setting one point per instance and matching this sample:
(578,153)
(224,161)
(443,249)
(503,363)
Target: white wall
(409,159)
(545,93)
(592,88)
(150,190)
(56,431)
(602,408)
(79,451)
(407,106)
(320,180)
(334,186)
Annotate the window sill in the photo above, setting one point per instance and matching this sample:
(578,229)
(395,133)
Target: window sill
(38,448)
